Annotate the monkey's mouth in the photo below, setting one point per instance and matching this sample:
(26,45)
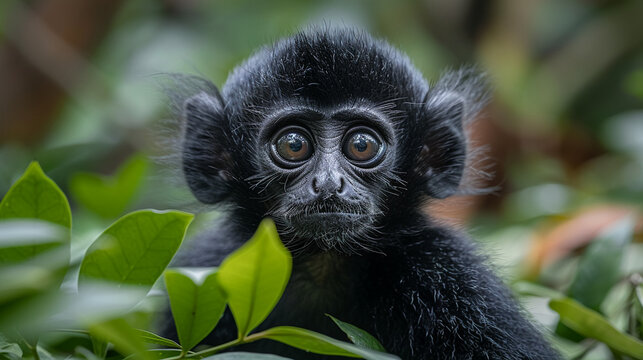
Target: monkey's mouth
(324,213)
(328,211)
(329,218)
(325,222)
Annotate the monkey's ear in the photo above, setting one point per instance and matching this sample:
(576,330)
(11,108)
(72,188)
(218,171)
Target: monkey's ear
(442,156)
(207,162)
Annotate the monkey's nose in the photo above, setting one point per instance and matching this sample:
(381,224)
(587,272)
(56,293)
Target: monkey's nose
(331,184)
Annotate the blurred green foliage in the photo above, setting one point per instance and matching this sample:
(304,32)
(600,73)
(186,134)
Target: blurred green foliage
(108,196)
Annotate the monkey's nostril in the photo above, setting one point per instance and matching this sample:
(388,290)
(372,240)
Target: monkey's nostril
(342,185)
(315,187)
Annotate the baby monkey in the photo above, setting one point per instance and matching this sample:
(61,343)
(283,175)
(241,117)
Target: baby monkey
(340,140)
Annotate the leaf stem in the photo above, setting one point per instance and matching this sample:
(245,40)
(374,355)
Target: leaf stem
(33,348)
(216,349)
(254,337)
(73,331)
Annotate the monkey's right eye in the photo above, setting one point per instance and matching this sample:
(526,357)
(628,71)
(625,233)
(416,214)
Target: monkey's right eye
(291,147)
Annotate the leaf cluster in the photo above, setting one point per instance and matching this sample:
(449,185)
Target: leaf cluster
(106,299)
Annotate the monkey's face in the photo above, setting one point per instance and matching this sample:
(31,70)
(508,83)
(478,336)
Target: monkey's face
(334,133)
(324,174)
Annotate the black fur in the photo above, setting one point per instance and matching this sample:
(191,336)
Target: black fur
(383,266)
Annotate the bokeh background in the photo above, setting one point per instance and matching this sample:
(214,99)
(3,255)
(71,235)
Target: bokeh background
(563,135)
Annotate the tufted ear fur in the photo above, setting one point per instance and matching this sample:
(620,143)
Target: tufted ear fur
(207,163)
(441,159)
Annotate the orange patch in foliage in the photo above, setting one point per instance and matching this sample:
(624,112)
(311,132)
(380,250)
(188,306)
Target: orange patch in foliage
(574,233)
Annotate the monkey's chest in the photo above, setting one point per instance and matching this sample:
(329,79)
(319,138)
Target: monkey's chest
(323,285)
(319,287)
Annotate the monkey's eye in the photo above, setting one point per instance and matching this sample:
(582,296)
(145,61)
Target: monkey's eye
(363,148)
(291,147)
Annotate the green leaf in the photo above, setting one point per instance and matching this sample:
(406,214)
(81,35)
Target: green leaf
(321,344)
(591,324)
(10,351)
(124,337)
(600,266)
(98,302)
(255,276)
(24,239)
(35,196)
(158,354)
(358,336)
(244,356)
(81,352)
(44,354)
(599,270)
(527,288)
(28,296)
(634,83)
(196,308)
(109,196)
(34,257)
(152,338)
(99,346)
(135,249)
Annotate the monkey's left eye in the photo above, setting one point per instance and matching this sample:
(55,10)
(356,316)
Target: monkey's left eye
(291,147)
(363,148)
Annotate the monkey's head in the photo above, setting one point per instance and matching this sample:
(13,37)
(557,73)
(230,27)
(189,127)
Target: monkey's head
(332,134)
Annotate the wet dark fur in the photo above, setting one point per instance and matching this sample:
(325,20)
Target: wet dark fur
(418,287)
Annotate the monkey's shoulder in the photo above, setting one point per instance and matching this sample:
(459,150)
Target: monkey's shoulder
(210,246)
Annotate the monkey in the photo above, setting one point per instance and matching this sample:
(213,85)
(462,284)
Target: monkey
(338,138)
